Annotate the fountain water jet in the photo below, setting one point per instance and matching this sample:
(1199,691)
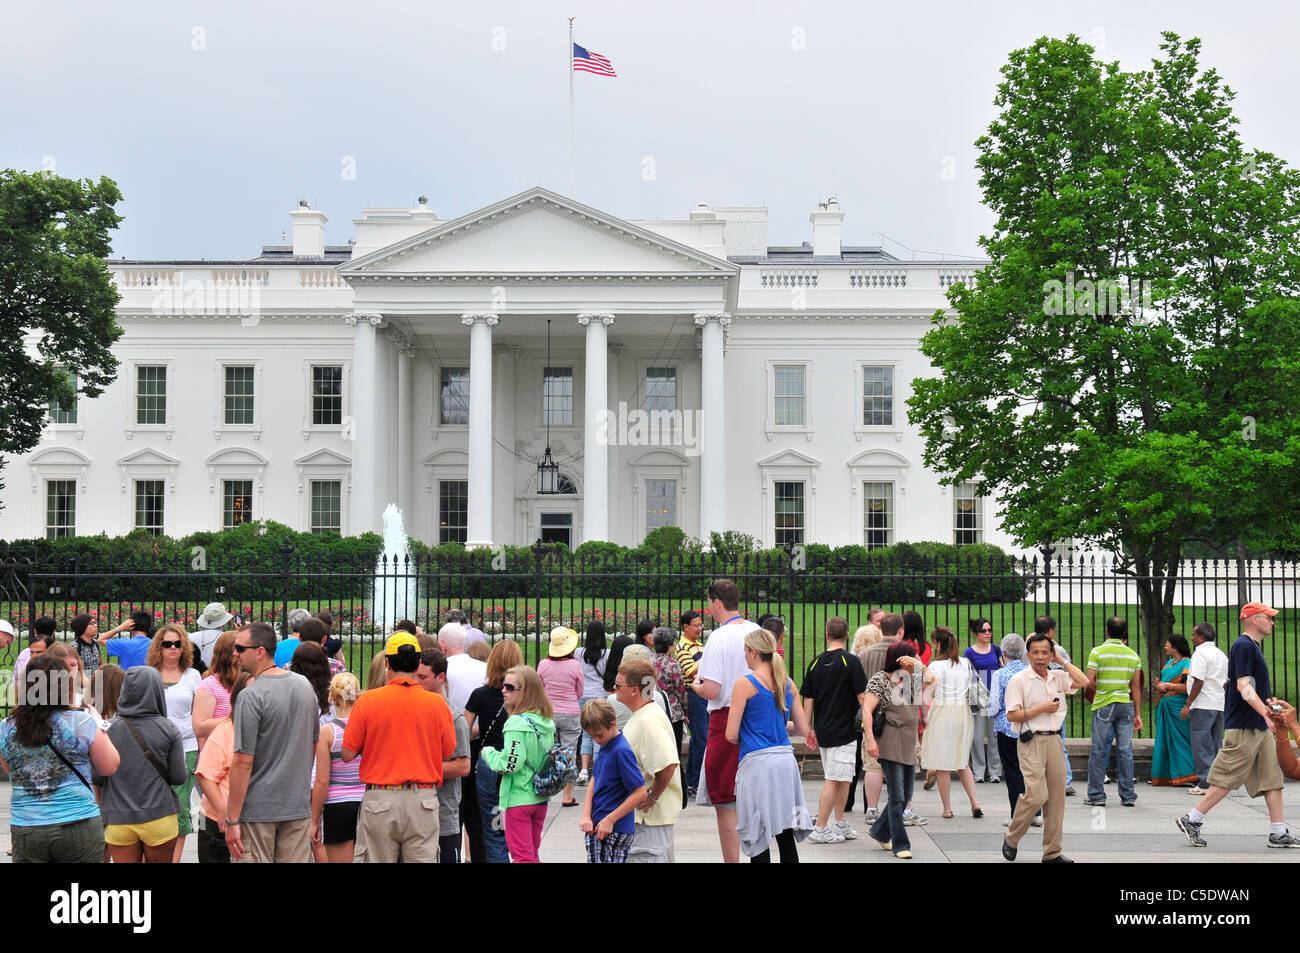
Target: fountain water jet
(394,584)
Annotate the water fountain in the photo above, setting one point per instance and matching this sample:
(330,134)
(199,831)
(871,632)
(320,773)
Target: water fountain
(394,589)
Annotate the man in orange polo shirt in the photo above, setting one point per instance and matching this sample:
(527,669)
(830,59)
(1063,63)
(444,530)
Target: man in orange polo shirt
(406,734)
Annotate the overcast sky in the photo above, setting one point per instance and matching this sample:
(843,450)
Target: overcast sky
(215,118)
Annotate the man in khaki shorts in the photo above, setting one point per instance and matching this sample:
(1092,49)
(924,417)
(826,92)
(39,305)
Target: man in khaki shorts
(1248,755)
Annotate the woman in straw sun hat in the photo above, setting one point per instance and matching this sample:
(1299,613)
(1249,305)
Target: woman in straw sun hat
(561,676)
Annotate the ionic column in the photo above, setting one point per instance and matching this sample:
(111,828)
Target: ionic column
(405,412)
(363,429)
(595,448)
(713,431)
(479,517)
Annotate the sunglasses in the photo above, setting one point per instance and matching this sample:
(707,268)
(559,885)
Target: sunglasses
(170,645)
(240,649)
(507,687)
(617,686)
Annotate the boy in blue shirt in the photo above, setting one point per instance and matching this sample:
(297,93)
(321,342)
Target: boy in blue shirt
(617,787)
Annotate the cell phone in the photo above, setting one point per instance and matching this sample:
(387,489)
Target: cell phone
(1275,708)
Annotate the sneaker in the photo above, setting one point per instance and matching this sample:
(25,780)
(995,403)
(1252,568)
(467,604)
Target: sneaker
(1070,791)
(903,854)
(825,835)
(1196,790)
(1192,831)
(1283,840)
(1129,803)
(912,819)
(995,780)
(1036,822)
(846,829)
(872,815)
(1093,802)
(583,777)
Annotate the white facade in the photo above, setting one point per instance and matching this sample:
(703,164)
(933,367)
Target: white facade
(310,385)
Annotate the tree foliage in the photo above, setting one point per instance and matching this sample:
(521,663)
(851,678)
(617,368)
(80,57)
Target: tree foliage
(1142,419)
(55,287)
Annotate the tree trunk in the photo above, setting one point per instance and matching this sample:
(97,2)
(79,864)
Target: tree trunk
(1243,590)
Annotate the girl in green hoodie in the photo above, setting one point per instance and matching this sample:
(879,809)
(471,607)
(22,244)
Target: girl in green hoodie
(528,734)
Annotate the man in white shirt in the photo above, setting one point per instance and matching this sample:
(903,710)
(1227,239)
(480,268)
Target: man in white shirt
(1205,697)
(721,664)
(464,673)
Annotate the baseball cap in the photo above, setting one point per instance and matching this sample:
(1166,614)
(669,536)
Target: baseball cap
(1255,608)
(6,627)
(398,639)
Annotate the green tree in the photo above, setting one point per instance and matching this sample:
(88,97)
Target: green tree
(1123,371)
(55,287)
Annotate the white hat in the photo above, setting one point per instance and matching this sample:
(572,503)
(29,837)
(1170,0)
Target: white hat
(214,616)
(6,627)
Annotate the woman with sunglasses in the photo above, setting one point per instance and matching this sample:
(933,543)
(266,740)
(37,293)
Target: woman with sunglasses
(172,654)
(986,658)
(528,734)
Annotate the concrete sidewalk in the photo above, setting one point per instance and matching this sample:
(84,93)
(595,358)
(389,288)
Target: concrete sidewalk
(1237,831)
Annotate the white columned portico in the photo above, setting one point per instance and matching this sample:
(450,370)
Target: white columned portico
(363,428)
(478,530)
(595,443)
(404,433)
(713,430)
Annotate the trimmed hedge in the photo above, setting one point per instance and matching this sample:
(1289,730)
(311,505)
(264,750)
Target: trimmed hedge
(270,561)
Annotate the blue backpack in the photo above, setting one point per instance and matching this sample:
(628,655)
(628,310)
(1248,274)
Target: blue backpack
(559,766)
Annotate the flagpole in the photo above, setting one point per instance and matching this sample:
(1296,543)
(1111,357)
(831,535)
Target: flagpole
(569,64)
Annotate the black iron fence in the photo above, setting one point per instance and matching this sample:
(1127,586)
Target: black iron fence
(523,594)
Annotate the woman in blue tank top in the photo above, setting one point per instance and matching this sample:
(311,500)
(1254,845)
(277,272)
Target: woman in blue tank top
(769,790)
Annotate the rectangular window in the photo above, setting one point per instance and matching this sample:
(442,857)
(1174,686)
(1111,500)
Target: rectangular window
(660,503)
(557,397)
(968,515)
(326,506)
(149,506)
(660,388)
(453,400)
(789,395)
(239,395)
(60,508)
(65,415)
(327,395)
(789,513)
(236,502)
(557,528)
(453,511)
(150,394)
(878,515)
(878,396)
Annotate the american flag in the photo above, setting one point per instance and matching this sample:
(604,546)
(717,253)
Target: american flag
(589,62)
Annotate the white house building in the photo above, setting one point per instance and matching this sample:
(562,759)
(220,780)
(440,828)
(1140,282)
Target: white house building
(696,377)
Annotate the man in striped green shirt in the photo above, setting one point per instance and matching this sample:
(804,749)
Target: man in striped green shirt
(1113,671)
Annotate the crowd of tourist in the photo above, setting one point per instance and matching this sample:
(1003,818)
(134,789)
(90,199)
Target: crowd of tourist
(454,750)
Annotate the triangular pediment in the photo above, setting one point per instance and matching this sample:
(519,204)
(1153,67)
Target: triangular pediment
(324,457)
(147,457)
(789,458)
(538,232)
